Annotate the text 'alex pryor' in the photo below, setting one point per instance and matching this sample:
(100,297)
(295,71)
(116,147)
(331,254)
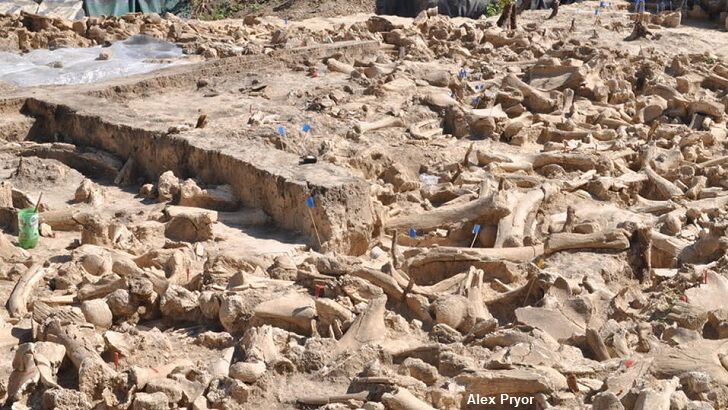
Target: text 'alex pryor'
(503,399)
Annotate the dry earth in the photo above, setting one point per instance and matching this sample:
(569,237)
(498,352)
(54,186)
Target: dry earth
(359,212)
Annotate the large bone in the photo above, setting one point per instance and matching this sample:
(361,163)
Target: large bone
(556,135)
(33,363)
(511,228)
(614,239)
(670,245)
(93,372)
(126,268)
(388,284)
(653,207)
(293,311)
(25,373)
(63,219)
(319,401)
(386,122)
(650,399)
(610,240)
(368,327)
(143,375)
(567,160)
(402,399)
(707,356)
(536,100)
(20,296)
(456,254)
(101,288)
(717,81)
(419,132)
(488,209)
(665,188)
(713,162)
(535,285)
(337,66)
(9,252)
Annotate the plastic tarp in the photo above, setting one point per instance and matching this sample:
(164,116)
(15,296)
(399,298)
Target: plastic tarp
(138,54)
(109,7)
(16,6)
(463,8)
(404,8)
(160,6)
(68,9)
(119,8)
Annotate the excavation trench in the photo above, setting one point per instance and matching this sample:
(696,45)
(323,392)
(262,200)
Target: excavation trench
(261,177)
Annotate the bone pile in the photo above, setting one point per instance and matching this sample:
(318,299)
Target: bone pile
(550,228)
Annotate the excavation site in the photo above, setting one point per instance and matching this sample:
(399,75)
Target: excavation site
(390,205)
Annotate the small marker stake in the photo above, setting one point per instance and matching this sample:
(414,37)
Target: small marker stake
(309,205)
(116,360)
(317,288)
(705,277)
(628,363)
(285,21)
(37,204)
(282,131)
(476,232)
(412,233)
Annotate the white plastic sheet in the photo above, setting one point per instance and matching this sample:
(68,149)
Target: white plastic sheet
(67,66)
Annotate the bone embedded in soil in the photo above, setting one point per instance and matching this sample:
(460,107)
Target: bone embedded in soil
(369,212)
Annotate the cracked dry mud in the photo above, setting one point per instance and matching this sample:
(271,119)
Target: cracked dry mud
(537,213)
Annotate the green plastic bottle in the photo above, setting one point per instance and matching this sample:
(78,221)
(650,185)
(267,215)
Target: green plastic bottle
(28,228)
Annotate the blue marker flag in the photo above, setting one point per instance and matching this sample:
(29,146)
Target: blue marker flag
(309,202)
(476,229)
(282,131)
(413,233)
(306,128)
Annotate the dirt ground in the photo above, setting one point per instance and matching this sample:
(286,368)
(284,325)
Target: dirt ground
(292,9)
(357,212)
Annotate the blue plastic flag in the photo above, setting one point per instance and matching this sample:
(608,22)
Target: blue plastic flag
(476,229)
(306,128)
(463,73)
(285,20)
(309,202)
(412,233)
(282,131)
